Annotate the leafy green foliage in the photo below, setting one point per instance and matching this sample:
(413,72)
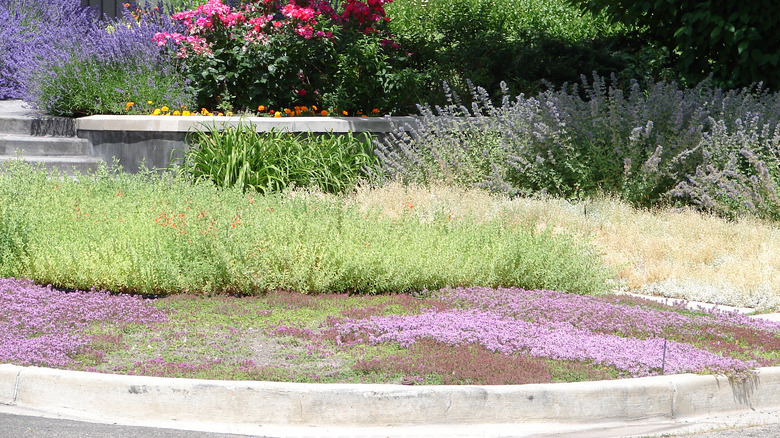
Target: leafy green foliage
(284,56)
(273,161)
(157,234)
(736,42)
(522,43)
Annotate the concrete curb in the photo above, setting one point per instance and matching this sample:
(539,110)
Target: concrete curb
(262,124)
(299,409)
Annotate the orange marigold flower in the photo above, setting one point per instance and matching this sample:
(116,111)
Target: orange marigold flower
(324,112)
(261,108)
(375,111)
(345,113)
(277,114)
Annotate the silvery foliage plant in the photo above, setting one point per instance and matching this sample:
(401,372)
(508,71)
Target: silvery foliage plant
(651,143)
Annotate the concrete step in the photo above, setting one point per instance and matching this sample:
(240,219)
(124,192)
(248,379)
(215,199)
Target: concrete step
(67,164)
(38,126)
(44,146)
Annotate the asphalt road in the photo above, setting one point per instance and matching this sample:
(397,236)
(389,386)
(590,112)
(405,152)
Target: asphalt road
(23,426)
(771,431)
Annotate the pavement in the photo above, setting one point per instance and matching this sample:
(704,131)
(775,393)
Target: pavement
(16,108)
(649,406)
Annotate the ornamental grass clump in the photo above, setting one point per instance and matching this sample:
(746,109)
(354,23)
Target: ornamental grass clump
(654,144)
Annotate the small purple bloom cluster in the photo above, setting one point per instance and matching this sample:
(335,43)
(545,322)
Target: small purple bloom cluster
(562,326)
(44,326)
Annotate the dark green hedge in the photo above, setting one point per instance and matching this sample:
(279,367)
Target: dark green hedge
(737,42)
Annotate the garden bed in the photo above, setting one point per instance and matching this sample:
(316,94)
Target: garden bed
(452,336)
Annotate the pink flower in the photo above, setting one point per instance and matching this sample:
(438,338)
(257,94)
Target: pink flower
(305,31)
(301,92)
(386,42)
(204,22)
(214,7)
(258,22)
(185,16)
(160,38)
(230,20)
(294,11)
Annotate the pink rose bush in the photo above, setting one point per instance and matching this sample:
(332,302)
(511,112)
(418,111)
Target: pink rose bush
(286,53)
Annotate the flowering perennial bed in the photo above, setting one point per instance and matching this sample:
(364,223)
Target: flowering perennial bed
(474,335)
(636,340)
(44,326)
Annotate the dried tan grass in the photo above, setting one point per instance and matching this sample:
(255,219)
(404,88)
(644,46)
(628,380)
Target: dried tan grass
(677,253)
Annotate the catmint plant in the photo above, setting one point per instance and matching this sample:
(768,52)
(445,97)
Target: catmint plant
(652,144)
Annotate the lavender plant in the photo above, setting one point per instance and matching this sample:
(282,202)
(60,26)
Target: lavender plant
(33,31)
(651,144)
(65,61)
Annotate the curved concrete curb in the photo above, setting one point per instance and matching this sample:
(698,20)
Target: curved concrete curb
(298,409)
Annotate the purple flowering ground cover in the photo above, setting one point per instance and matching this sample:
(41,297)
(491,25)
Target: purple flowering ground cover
(452,336)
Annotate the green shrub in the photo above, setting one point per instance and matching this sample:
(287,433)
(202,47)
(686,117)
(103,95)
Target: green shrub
(16,219)
(522,43)
(736,42)
(282,55)
(157,234)
(273,161)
